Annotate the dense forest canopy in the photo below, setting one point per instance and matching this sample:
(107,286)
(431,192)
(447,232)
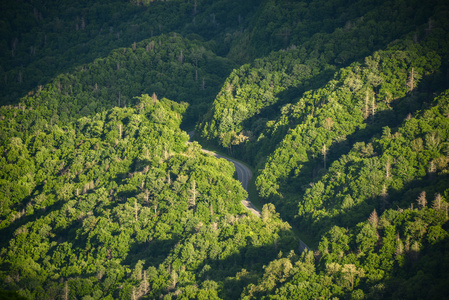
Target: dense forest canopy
(341,108)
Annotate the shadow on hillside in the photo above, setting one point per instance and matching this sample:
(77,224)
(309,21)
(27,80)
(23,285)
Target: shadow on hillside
(239,268)
(424,277)
(257,123)
(291,94)
(59,45)
(51,58)
(7,233)
(152,252)
(396,199)
(156,252)
(313,171)
(401,108)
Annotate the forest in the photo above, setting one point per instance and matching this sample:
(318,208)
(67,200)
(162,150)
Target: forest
(340,109)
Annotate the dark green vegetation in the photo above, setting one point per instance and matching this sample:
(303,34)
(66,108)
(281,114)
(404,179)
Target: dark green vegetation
(119,204)
(342,107)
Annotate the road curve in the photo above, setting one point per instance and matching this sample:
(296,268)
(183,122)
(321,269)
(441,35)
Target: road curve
(244,175)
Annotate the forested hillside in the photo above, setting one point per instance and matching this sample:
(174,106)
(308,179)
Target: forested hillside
(340,107)
(399,252)
(45,38)
(121,200)
(361,101)
(167,65)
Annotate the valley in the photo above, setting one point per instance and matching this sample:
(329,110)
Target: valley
(224,149)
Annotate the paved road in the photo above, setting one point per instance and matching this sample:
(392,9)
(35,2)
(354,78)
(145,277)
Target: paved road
(244,175)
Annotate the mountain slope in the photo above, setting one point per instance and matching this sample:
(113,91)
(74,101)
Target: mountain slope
(253,95)
(119,205)
(400,253)
(340,107)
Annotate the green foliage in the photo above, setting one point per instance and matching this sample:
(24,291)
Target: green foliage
(167,65)
(304,57)
(41,40)
(114,200)
(341,107)
(343,114)
(351,271)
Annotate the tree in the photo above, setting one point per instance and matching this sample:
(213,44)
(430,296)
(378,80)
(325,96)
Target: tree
(203,84)
(332,268)
(181,57)
(137,273)
(348,202)
(387,164)
(384,196)
(414,251)
(422,201)
(136,210)
(350,274)
(66,291)
(399,247)
(268,212)
(119,131)
(195,7)
(437,202)
(144,285)
(366,111)
(367,238)
(411,80)
(373,218)
(193,194)
(328,123)
(174,279)
(154,98)
(66,191)
(432,169)
(324,153)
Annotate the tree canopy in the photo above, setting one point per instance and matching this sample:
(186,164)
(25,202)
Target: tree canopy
(341,109)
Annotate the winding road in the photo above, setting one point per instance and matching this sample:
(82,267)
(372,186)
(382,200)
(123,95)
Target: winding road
(244,175)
